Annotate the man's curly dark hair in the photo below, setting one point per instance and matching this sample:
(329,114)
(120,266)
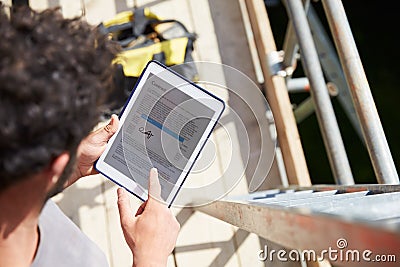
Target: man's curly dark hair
(54,74)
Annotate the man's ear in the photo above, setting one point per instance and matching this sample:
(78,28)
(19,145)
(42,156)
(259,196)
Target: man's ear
(57,167)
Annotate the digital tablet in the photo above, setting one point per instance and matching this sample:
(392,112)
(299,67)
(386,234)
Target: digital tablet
(164,124)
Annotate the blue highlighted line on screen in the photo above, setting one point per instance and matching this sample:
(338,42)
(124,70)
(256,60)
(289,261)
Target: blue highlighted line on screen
(163,128)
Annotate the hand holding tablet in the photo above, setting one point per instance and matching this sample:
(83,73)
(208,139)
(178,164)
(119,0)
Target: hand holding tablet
(164,124)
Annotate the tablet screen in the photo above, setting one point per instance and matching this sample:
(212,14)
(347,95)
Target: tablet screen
(165,127)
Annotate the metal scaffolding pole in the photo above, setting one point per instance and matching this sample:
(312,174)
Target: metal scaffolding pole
(290,45)
(374,135)
(326,117)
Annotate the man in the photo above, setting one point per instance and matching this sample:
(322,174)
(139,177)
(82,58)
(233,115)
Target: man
(53,77)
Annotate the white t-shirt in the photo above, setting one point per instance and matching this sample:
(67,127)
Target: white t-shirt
(62,243)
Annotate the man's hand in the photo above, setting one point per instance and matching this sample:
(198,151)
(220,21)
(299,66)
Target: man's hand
(91,149)
(151,234)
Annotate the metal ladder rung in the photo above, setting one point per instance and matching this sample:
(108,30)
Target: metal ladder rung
(294,195)
(370,207)
(358,205)
(319,198)
(278,197)
(278,194)
(392,221)
(291,200)
(259,194)
(323,200)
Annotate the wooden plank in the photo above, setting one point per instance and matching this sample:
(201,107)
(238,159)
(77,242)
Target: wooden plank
(71,9)
(278,97)
(99,10)
(38,5)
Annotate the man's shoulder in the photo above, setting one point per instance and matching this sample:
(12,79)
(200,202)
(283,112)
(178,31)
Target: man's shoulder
(62,243)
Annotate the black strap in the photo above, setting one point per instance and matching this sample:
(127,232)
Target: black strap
(139,23)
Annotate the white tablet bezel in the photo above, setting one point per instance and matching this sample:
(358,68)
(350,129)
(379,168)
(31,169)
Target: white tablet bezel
(189,88)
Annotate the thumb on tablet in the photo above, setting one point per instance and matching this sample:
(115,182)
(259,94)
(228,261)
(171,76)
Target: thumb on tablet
(154,185)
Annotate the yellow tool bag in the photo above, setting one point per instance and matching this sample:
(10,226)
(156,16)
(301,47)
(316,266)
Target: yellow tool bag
(144,36)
